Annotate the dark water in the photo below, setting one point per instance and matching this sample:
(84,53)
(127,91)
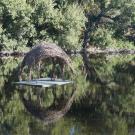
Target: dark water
(100,102)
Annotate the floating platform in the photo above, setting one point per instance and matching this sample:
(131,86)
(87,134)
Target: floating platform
(43,82)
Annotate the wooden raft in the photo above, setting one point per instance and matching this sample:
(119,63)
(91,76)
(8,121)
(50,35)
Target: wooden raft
(44,82)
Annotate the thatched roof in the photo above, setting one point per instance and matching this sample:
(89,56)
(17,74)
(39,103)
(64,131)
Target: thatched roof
(43,51)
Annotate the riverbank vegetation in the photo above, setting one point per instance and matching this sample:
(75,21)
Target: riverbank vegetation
(71,24)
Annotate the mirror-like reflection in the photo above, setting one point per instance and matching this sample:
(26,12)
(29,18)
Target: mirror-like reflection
(102,99)
(55,111)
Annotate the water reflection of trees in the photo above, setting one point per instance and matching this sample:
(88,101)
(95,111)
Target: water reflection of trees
(109,91)
(55,111)
(113,83)
(15,104)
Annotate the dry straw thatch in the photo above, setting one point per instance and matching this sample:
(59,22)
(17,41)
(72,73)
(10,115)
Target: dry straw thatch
(41,52)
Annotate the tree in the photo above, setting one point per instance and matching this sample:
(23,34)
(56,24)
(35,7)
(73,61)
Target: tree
(109,22)
(27,22)
(103,23)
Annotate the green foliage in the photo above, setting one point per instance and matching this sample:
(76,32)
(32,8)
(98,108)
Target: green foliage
(105,38)
(73,22)
(109,22)
(24,23)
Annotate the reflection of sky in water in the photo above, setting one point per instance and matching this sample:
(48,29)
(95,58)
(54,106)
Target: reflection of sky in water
(94,100)
(72,131)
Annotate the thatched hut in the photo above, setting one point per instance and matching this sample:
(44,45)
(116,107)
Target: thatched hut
(40,53)
(52,113)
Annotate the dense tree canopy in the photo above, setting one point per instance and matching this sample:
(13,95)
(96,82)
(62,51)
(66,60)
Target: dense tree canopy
(26,22)
(103,23)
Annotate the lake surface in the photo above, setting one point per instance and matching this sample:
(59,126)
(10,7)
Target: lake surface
(100,102)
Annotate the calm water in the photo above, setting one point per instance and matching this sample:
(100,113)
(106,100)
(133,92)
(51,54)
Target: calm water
(100,102)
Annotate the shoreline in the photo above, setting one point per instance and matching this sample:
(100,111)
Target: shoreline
(91,50)
(14,53)
(95,50)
